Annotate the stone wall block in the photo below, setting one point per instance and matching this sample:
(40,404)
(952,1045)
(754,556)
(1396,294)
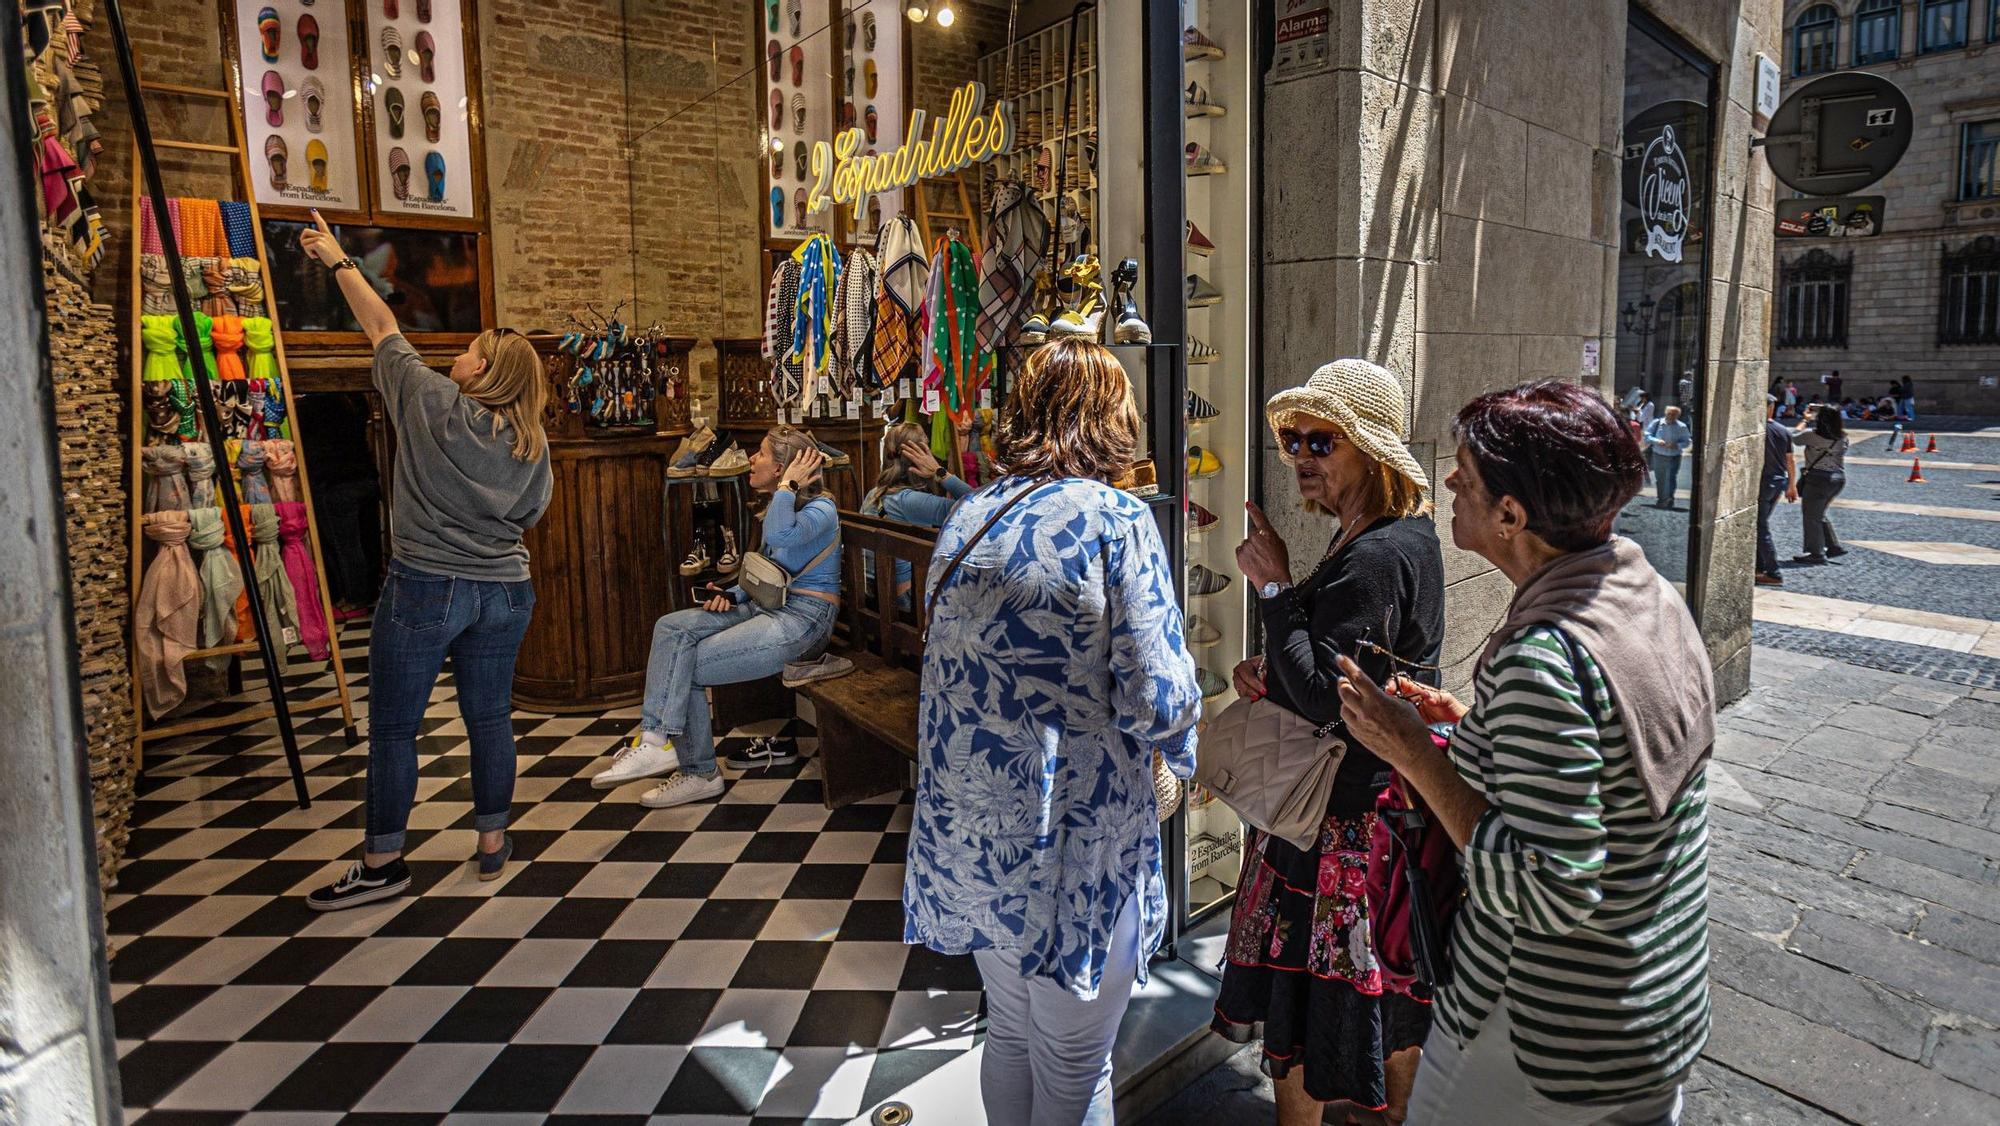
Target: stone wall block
(1482,159)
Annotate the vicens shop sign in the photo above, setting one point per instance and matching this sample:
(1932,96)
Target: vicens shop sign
(1663,196)
(969,133)
(1664,161)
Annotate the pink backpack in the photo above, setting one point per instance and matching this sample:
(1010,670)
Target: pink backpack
(1414,889)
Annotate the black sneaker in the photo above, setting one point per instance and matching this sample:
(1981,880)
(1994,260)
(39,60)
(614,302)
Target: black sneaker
(362,884)
(762,752)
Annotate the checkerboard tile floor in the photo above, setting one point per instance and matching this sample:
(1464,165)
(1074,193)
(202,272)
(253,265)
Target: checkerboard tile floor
(731,961)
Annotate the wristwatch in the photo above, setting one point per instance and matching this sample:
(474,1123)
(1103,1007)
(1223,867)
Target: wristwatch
(345,264)
(1272,588)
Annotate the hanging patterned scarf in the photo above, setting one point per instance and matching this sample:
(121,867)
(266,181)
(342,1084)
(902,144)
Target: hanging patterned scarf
(156,294)
(256,487)
(201,229)
(200,475)
(788,376)
(221,581)
(812,328)
(244,278)
(854,323)
(166,477)
(166,616)
(281,609)
(281,464)
(905,278)
(236,230)
(954,355)
(1007,268)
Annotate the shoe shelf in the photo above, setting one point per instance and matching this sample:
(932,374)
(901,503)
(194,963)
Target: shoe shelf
(1219,204)
(1056,115)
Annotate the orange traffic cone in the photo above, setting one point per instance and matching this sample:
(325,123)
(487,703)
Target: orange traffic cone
(1909,442)
(1917,472)
(1931,446)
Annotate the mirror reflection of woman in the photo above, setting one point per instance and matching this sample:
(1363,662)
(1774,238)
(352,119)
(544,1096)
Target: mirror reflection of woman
(913,488)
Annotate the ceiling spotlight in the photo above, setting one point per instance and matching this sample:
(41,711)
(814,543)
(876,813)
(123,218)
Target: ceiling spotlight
(917,10)
(946,17)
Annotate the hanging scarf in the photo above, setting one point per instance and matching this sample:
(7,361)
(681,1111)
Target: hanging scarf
(215,300)
(73,115)
(255,487)
(905,278)
(297,553)
(156,293)
(221,581)
(241,240)
(812,329)
(245,281)
(954,354)
(166,477)
(281,609)
(262,344)
(226,334)
(160,337)
(854,323)
(200,476)
(246,628)
(273,407)
(166,617)
(174,221)
(201,229)
(788,375)
(183,398)
(149,230)
(65,201)
(281,462)
(1006,269)
(204,329)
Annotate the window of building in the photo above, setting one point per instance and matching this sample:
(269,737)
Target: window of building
(1814,39)
(1969,293)
(1979,158)
(1943,25)
(1812,310)
(1878,31)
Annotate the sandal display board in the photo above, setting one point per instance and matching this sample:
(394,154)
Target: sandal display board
(185,570)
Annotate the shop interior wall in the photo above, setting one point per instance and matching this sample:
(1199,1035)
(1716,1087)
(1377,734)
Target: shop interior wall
(1466,238)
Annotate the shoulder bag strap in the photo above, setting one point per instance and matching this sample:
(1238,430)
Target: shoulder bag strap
(952,567)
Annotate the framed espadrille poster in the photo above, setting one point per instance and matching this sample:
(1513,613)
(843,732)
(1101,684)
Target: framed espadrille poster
(296,70)
(422,112)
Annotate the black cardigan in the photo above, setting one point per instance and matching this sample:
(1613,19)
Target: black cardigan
(1387,587)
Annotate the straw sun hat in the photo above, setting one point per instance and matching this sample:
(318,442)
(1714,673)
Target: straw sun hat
(1365,400)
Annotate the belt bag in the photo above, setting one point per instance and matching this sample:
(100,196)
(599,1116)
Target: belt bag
(1273,767)
(768,584)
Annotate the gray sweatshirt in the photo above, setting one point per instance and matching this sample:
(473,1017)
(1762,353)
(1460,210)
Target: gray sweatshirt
(461,499)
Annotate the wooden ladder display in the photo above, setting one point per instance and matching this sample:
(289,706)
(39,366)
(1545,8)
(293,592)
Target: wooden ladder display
(953,203)
(149,728)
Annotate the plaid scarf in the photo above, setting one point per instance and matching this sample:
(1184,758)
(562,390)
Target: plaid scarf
(905,276)
(1007,268)
(854,325)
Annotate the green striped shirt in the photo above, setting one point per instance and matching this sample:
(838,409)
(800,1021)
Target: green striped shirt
(1588,914)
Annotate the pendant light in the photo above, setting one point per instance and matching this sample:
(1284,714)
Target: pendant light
(917,10)
(946,17)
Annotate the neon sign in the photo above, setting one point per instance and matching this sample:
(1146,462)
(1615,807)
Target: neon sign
(967,134)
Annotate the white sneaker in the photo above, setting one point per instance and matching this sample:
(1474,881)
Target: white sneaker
(681,788)
(634,761)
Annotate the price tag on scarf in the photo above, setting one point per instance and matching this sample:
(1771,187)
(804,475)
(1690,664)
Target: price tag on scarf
(854,406)
(985,398)
(931,400)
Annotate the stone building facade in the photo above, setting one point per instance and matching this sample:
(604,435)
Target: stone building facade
(1446,201)
(1904,314)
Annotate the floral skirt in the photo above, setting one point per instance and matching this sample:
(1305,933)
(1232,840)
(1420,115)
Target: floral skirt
(1299,963)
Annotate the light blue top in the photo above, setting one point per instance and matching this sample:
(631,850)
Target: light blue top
(911,506)
(793,535)
(1056,665)
(1675,432)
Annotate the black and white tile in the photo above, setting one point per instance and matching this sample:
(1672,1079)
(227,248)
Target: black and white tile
(732,961)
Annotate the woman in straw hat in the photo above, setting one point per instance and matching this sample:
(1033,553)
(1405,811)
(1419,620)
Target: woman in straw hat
(1298,959)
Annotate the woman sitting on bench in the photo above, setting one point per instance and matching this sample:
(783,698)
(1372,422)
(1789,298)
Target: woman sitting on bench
(914,489)
(730,639)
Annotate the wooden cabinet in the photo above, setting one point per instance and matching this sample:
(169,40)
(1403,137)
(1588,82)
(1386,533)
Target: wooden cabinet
(601,578)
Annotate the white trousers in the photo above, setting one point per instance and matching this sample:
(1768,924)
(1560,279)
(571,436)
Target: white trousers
(1048,1053)
(1483,1083)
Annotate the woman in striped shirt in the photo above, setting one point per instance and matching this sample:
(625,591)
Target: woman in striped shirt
(1574,788)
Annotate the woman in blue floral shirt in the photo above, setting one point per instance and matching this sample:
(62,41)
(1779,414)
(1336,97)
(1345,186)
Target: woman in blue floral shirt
(1055,667)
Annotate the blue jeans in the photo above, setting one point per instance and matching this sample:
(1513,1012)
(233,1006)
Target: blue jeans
(421,619)
(696,649)
(1667,472)
(1767,500)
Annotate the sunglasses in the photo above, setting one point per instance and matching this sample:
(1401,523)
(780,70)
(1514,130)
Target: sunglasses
(1318,443)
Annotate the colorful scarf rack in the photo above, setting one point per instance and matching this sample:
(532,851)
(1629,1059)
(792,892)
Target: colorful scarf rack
(281,462)
(160,338)
(166,616)
(952,361)
(812,328)
(165,467)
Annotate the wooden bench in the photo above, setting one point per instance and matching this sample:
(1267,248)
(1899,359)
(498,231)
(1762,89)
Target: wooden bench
(867,719)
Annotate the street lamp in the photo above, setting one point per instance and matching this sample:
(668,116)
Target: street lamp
(1642,322)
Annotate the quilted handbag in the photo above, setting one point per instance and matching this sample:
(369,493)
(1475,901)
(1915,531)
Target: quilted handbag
(1272,766)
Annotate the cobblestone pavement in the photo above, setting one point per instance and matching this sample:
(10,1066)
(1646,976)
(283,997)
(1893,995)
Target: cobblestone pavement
(1855,871)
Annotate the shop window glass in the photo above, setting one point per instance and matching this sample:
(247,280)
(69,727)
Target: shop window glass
(1969,295)
(1878,31)
(1943,25)
(1979,159)
(1662,295)
(1812,310)
(429,278)
(1814,38)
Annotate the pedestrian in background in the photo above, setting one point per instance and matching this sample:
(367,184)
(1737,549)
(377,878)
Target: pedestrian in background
(1907,399)
(1666,440)
(1575,787)
(1833,386)
(1056,667)
(1780,480)
(1821,478)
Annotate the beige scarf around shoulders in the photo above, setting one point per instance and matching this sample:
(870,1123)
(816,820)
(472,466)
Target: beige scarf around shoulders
(1612,603)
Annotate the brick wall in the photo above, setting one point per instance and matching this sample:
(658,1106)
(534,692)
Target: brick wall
(1894,291)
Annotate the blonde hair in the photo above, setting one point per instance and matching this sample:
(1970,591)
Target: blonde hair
(896,473)
(513,389)
(787,443)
